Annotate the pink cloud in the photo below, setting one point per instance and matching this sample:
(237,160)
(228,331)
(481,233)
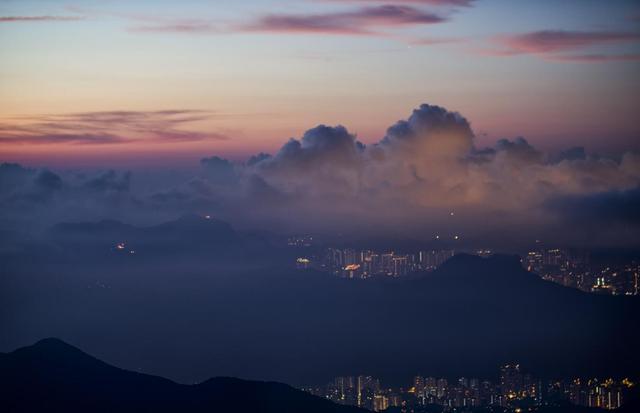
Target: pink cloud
(460,3)
(549,41)
(558,45)
(106,128)
(361,21)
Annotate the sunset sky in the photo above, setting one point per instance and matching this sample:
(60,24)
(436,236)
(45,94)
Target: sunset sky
(138,83)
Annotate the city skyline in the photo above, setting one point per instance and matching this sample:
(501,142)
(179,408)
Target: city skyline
(613,275)
(513,390)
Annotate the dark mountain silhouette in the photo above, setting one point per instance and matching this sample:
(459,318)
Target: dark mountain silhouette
(186,318)
(187,229)
(54,376)
(189,234)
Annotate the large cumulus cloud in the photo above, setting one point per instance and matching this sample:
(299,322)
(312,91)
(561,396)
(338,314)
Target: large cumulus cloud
(426,167)
(422,170)
(433,131)
(425,177)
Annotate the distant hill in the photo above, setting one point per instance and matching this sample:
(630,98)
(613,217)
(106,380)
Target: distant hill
(52,376)
(187,230)
(189,234)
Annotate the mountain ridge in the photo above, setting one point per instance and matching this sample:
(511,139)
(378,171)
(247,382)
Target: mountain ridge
(53,375)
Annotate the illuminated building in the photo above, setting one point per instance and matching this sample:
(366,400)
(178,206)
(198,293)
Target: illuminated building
(352,271)
(484,253)
(296,240)
(387,263)
(430,260)
(510,380)
(400,266)
(380,403)
(395,400)
(442,387)
(303,263)
(418,384)
(367,387)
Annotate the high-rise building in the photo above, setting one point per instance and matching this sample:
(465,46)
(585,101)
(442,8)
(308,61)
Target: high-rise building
(510,380)
(418,384)
(380,403)
(395,400)
(400,266)
(430,260)
(367,387)
(431,386)
(442,388)
(387,263)
(533,262)
(555,257)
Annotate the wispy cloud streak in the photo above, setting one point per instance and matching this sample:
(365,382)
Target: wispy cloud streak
(365,20)
(19,19)
(188,26)
(557,45)
(361,21)
(456,3)
(434,41)
(113,127)
(546,41)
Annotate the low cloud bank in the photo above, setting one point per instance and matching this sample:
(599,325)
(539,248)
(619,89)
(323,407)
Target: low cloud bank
(424,178)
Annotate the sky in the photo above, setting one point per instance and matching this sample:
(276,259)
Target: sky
(479,121)
(140,84)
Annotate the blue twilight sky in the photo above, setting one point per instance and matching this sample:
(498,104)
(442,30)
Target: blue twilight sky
(560,73)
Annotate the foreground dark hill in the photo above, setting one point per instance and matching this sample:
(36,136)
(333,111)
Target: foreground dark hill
(54,376)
